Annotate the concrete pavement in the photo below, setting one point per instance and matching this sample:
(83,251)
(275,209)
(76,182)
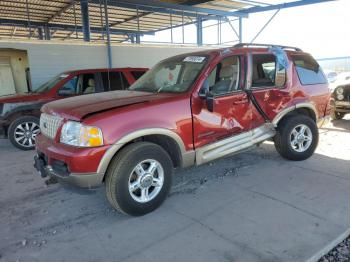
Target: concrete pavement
(253,206)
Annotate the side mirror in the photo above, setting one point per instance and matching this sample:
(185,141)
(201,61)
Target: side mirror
(204,89)
(204,93)
(210,101)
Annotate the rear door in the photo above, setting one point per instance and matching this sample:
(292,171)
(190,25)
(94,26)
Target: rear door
(313,82)
(267,84)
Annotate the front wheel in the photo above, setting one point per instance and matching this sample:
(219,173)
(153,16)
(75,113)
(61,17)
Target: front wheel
(22,132)
(139,178)
(297,137)
(336,115)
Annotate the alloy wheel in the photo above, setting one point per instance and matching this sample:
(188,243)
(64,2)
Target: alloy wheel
(146,180)
(301,138)
(25,134)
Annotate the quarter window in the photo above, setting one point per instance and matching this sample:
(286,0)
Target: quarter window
(308,70)
(137,74)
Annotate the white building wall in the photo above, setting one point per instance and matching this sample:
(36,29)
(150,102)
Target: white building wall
(49,58)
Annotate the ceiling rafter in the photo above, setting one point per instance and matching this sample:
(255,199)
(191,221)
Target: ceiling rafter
(61,11)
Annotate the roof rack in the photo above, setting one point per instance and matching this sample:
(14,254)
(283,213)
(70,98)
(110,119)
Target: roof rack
(266,45)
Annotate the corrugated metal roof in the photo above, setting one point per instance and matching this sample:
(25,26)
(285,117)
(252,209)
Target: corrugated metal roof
(26,18)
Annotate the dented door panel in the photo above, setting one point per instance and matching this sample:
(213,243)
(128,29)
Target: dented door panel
(231,115)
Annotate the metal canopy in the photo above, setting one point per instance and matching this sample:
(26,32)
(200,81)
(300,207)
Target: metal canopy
(127,19)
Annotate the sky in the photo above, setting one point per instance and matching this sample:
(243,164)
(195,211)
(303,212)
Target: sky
(320,29)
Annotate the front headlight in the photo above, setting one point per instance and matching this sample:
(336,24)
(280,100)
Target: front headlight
(340,90)
(76,134)
(340,97)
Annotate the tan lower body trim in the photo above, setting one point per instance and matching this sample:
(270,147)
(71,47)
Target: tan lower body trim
(234,144)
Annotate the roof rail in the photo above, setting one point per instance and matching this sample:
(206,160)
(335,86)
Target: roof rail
(266,45)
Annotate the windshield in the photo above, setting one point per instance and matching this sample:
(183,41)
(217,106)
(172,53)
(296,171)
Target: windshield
(173,75)
(50,84)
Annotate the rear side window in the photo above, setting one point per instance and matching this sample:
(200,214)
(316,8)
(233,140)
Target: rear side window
(309,71)
(137,74)
(114,81)
(118,81)
(264,73)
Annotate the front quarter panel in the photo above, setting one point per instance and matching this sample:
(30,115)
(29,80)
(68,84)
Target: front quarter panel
(173,114)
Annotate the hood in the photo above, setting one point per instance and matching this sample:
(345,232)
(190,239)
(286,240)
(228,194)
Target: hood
(76,108)
(19,98)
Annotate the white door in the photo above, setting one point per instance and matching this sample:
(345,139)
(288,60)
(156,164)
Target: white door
(7,84)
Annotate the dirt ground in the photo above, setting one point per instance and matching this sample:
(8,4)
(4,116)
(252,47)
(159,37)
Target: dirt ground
(253,206)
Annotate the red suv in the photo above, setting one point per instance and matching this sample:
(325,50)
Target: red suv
(19,114)
(188,110)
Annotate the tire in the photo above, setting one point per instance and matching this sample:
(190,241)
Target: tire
(120,175)
(292,146)
(22,132)
(337,115)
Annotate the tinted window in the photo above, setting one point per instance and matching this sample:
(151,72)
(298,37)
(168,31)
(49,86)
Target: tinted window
(137,74)
(114,81)
(309,71)
(118,81)
(105,81)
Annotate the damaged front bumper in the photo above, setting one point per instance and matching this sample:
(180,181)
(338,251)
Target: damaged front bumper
(342,106)
(84,180)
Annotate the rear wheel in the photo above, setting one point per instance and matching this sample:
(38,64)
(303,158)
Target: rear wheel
(296,137)
(22,132)
(139,178)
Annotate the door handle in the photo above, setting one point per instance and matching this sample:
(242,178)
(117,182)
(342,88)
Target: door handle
(239,102)
(281,94)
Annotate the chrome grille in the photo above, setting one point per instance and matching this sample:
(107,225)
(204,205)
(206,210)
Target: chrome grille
(49,125)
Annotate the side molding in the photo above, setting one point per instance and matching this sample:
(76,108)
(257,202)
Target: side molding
(234,144)
(287,110)
(187,156)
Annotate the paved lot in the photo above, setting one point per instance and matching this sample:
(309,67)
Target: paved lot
(253,206)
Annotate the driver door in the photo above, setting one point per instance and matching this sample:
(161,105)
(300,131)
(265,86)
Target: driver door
(69,87)
(231,112)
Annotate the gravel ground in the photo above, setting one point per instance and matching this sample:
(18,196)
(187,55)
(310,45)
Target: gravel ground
(341,253)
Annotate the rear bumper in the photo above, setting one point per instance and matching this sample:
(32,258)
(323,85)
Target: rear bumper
(76,166)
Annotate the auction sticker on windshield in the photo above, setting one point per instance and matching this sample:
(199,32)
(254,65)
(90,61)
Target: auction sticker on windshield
(194,59)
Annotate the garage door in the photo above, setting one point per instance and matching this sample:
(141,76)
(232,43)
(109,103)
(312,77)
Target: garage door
(7,84)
